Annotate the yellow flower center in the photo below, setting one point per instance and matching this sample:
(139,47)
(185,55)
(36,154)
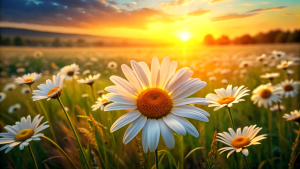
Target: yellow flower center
(104,101)
(24,135)
(28,80)
(70,73)
(288,87)
(154,102)
(226,100)
(10,88)
(52,91)
(240,142)
(265,93)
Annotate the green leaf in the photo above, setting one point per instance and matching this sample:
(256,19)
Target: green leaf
(197,148)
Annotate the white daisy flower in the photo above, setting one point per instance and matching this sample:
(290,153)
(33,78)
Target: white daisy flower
(224,81)
(212,78)
(261,58)
(245,64)
(284,65)
(50,90)
(28,78)
(20,70)
(290,72)
(14,108)
(86,72)
(294,116)
(158,99)
(239,140)
(37,54)
(112,65)
(2,96)
(9,87)
(89,80)
(25,90)
(100,103)
(265,95)
(289,88)
(70,71)
(278,54)
(226,97)
(22,133)
(84,95)
(270,76)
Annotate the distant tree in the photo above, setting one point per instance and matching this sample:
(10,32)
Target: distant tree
(81,42)
(56,42)
(282,37)
(69,43)
(223,40)
(209,40)
(294,37)
(18,41)
(7,42)
(245,39)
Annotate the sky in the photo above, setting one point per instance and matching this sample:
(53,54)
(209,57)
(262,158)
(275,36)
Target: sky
(152,19)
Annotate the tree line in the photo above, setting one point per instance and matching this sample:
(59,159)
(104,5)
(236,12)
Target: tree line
(273,36)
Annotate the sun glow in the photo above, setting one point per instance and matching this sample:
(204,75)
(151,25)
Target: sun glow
(184,35)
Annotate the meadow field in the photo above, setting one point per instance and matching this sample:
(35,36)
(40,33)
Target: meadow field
(219,66)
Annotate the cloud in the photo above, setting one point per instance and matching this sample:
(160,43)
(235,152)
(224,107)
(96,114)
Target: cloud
(265,3)
(268,9)
(81,14)
(230,17)
(218,1)
(247,4)
(176,3)
(199,12)
(245,14)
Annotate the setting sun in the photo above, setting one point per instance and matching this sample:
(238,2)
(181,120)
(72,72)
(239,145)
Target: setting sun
(184,35)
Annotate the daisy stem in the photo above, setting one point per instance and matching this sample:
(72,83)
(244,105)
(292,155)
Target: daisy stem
(61,150)
(93,92)
(232,122)
(74,131)
(32,156)
(270,133)
(37,107)
(46,115)
(156,159)
(246,162)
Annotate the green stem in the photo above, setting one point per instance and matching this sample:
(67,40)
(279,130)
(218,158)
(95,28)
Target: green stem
(156,159)
(182,152)
(93,92)
(232,122)
(270,133)
(246,162)
(74,131)
(294,147)
(35,103)
(46,115)
(32,156)
(61,150)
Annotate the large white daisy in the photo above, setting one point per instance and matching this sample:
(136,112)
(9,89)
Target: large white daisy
(22,133)
(265,95)
(70,71)
(157,98)
(28,78)
(89,80)
(289,88)
(226,97)
(239,140)
(294,116)
(50,90)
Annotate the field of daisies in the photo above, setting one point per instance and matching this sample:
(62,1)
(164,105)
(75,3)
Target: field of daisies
(152,108)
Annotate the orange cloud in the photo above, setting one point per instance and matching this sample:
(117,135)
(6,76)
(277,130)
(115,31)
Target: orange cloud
(247,4)
(217,1)
(199,12)
(176,3)
(231,16)
(268,9)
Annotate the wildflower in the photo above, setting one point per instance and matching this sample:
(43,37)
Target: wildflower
(284,65)
(270,76)
(276,108)
(25,90)
(158,100)
(2,96)
(28,78)
(9,87)
(14,108)
(100,103)
(70,71)
(112,65)
(22,133)
(224,81)
(84,95)
(50,90)
(289,88)
(37,54)
(226,97)
(89,80)
(239,140)
(293,116)
(265,95)
(20,70)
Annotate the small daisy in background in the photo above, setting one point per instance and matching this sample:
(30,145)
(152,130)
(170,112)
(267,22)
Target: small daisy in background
(37,54)
(289,88)
(262,58)
(278,54)
(50,90)
(293,116)
(70,71)
(2,96)
(25,90)
(86,72)
(100,92)
(226,97)
(212,78)
(276,108)
(100,103)
(285,65)
(270,76)
(240,139)
(224,81)
(112,65)
(20,70)
(265,95)
(9,87)
(89,80)
(245,64)
(84,95)
(28,79)
(14,108)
